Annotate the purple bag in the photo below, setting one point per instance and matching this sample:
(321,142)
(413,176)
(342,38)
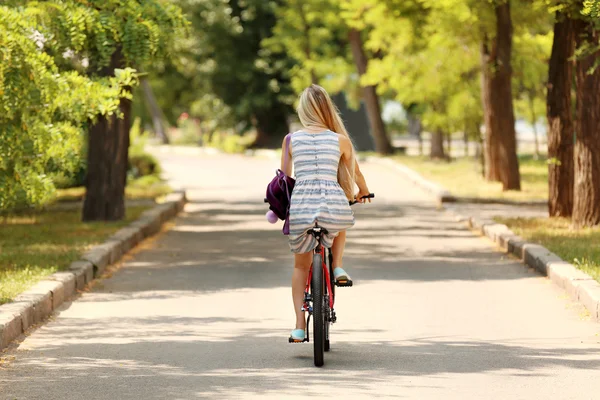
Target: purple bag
(279,192)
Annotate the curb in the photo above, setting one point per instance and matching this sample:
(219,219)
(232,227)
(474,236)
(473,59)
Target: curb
(580,286)
(441,194)
(36,304)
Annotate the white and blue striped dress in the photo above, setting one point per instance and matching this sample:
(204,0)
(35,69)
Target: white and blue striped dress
(317,197)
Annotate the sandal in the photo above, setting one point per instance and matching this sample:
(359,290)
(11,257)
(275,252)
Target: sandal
(297,336)
(341,277)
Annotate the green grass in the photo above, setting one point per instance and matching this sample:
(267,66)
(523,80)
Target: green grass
(35,246)
(580,247)
(462,177)
(146,187)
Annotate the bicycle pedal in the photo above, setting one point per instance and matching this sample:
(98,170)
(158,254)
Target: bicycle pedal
(343,283)
(292,340)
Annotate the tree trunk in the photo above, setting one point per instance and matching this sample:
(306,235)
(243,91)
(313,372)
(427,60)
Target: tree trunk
(449,144)
(479,153)
(108,148)
(382,142)
(560,124)
(466,140)
(437,145)
(586,199)
(158,119)
(501,144)
(271,127)
(534,118)
(414,129)
(490,146)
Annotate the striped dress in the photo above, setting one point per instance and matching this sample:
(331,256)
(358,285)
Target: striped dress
(317,197)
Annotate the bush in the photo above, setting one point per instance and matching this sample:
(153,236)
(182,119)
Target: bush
(228,142)
(143,164)
(140,163)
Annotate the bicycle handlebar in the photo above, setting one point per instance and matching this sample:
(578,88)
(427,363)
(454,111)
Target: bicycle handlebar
(369,196)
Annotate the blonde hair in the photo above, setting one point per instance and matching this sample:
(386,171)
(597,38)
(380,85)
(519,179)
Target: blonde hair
(315,109)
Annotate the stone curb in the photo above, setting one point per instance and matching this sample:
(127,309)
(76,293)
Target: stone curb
(580,286)
(36,304)
(441,194)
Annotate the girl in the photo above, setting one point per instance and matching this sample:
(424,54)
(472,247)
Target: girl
(326,172)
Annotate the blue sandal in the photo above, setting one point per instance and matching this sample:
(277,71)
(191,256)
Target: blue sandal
(341,277)
(297,336)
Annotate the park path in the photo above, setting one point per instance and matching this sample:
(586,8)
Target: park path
(204,310)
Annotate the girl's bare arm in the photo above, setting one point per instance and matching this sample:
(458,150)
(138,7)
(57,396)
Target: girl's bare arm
(287,169)
(347,156)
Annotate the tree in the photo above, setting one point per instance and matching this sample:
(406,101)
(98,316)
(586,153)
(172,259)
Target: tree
(328,50)
(496,51)
(112,35)
(560,124)
(586,199)
(382,142)
(421,63)
(531,53)
(232,81)
(44,111)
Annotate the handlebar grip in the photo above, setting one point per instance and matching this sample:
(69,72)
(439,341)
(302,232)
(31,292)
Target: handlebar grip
(369,196)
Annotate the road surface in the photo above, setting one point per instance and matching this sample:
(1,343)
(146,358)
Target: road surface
(204,310)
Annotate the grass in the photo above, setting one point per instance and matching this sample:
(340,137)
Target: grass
(35,246)
(146,187)
(580,247)
(462,177)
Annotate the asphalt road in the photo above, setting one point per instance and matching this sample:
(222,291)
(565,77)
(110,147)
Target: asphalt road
(204,310)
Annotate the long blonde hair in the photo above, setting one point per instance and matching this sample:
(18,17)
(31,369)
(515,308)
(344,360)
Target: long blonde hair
(315,109)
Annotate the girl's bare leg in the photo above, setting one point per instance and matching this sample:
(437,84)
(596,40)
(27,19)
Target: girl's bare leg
(301,266)
(338,249)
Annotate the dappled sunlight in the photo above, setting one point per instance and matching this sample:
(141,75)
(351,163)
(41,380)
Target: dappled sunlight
(278,369)
(205,312)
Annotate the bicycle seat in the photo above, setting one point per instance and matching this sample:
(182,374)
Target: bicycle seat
(317,230)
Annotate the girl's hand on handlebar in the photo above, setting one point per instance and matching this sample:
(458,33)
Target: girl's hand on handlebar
(361,194)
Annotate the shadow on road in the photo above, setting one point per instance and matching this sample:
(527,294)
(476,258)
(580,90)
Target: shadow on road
(229,245)
(193,357)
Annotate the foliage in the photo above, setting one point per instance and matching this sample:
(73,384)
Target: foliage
(530,66)
(49,53)
(430,53)
(43,112)
(140,163)
(98,29)
(312,33)
(222,77)
(228,142)
(591,8)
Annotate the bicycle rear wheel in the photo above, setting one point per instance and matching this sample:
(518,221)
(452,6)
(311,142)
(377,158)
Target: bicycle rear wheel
(318,310)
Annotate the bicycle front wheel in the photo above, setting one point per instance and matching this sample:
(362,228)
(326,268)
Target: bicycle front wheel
(318,316)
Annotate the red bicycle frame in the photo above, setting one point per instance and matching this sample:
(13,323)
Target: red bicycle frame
(327,280)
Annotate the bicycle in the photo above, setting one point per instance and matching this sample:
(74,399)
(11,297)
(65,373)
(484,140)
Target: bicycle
(321,294)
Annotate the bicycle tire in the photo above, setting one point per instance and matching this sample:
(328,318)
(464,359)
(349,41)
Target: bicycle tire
(318,316)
